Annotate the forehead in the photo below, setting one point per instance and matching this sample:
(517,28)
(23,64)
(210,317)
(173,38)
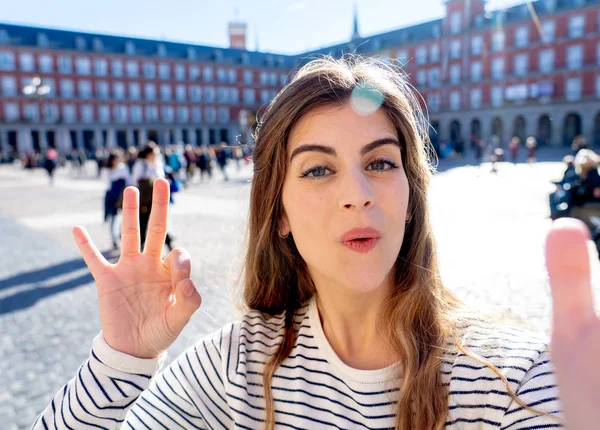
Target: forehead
(341,123)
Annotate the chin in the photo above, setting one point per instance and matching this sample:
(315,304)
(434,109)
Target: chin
(364,281)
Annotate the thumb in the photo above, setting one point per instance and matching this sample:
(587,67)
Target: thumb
(187,301)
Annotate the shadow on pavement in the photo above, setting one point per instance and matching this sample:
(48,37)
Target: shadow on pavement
(38,278)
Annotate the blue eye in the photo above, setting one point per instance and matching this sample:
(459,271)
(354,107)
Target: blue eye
(380,165)
(315,172)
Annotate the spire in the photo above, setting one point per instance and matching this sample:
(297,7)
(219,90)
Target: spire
(355,34)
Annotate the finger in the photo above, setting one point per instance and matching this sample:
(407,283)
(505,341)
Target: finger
(130,228)
(92,257)
(180,264)
(157,225)
(187,301)
(568,264)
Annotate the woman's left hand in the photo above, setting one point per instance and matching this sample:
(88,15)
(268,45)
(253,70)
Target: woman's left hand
(575,343)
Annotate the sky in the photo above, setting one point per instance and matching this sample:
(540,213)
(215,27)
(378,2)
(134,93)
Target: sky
(279,26)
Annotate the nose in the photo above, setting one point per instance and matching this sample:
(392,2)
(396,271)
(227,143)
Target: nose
(355,190)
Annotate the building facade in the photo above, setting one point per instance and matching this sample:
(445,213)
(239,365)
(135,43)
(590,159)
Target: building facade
(530,70)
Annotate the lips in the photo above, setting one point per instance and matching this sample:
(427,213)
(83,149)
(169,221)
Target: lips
(360,233)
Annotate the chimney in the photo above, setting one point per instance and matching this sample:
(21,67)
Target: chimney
(237,35)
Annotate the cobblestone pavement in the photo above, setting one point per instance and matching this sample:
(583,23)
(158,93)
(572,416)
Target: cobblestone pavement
(490,230)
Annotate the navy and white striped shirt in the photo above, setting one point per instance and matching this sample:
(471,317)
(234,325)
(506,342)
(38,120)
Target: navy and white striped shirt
(217,383)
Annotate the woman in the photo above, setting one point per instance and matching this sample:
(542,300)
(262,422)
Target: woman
(348,324)
(118,179)
(585,194)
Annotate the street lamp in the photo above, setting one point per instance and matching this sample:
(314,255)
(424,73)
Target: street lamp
(38,90)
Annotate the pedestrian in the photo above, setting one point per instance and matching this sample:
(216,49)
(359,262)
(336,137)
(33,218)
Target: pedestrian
(204,163)
(118,178)
(531,145)
(347,321)
(50,163)
(190,161)
(221,152)
(513,149)
(146,169)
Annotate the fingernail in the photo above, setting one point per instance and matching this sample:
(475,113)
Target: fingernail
(189,289)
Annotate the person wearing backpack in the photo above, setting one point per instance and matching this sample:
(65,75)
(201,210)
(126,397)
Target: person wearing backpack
(146,169)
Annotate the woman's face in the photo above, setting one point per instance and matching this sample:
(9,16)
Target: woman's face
(345,173)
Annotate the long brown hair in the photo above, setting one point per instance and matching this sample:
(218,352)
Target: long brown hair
(419,315)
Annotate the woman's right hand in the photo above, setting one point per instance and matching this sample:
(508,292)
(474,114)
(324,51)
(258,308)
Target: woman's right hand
(145,301)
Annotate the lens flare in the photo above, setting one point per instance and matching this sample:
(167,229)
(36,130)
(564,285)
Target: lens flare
(366,99)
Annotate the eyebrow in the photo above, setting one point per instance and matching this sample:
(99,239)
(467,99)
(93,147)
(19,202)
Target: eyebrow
(330,151)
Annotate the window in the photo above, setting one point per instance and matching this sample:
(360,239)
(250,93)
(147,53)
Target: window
(11,111)
(26,62)
(208,74)
(210,113)
(455,23)
(132,69)
(51,85)
(165,92)
(183,114)
(498,68)
(129,48)
(222,95)
(434,78)
(161,50)
(421,78)
(66,88)
(576,26)
(164,71)
(136,113)
(120,113)
(249,96)
(167,113)
(598,86)
(223,115)
(135,91)
(119,90)
(434,53)
(282,79)
(65,65)
(546,60)
(498,41)
(247,77)
(180,93)
(497,96)
(46,64)
(454,100)
(548,31)
(104,114)
(84,66)
(100,67)
(232,74)
(196,114)
(455,74)
(97,44)
(402,56)
(151,113)
(194,73)
(273,79)
(476,71)
(9,86)
(117,68)
(234,95)
(433,102)
(521,37)
(421,55)
(50,112)
(87,113)
(475,98)
(455,49)
(69,114)
(221,75)
(191,53)
(574,56)
(520,64)
(195,93)
(85,89)
(180,72)
(102,90)
(209,94)
(149,70)
(264,78)
(573,89)
(477,45)
(7,60)
(150,91)
(31,112)
(264,96)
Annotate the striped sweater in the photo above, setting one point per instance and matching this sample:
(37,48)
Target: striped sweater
(217,383)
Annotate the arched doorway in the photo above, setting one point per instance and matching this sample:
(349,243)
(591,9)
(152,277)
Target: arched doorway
(544,130)
(454,131)
(597,130)
(571,128)
(519,128)
(476,128)
(498,129)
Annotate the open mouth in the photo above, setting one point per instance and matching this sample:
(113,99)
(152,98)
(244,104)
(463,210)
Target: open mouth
(361,244)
